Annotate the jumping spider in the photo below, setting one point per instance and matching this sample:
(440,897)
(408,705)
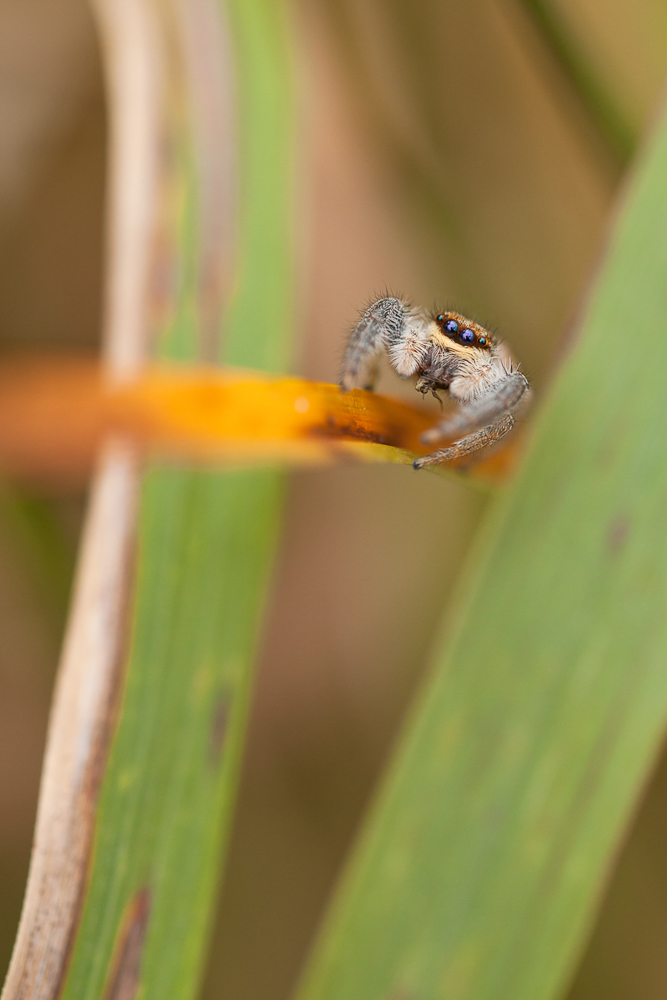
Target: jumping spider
(447,351)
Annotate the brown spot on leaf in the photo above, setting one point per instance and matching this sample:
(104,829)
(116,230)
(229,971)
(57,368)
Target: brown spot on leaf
(219,729)
(349,429)
(125,976)
(617,533)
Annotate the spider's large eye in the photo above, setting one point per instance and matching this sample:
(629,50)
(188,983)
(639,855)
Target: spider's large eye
(451,326)
(466,336)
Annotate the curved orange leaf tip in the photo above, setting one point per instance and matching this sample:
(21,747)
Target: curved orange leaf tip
(54,414)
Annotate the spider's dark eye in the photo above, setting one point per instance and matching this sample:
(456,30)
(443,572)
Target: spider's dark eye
(451,326)
(467,336)
(439,318)
(482,341)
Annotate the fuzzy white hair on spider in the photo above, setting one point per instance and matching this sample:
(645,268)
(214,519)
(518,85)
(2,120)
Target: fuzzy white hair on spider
(447,352)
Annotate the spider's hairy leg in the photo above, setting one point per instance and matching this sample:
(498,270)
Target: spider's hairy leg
(502,399)
(468,445)
(381,325)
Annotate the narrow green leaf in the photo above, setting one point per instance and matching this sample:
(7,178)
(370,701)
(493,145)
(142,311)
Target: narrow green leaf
(478,873)
(205,546)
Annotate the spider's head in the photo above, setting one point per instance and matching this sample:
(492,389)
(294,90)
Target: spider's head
(452,328)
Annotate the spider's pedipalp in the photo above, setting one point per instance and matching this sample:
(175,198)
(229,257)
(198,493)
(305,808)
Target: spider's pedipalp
(381,326)
(408,352)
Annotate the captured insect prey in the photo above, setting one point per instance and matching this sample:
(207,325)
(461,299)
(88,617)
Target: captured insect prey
(447,352)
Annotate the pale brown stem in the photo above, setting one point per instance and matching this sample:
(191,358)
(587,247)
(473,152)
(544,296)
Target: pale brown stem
(85,692)
(92,658)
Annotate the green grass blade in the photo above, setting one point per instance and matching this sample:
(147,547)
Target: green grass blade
(477,875)
(205,547)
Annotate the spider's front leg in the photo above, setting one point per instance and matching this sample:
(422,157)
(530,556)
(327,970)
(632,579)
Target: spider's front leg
(501,397)
(479,422)
(468,445)
(381,327)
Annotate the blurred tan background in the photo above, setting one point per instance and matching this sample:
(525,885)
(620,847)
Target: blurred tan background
(446,153)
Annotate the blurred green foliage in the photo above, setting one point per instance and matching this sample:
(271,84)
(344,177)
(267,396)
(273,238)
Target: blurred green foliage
(439,153)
